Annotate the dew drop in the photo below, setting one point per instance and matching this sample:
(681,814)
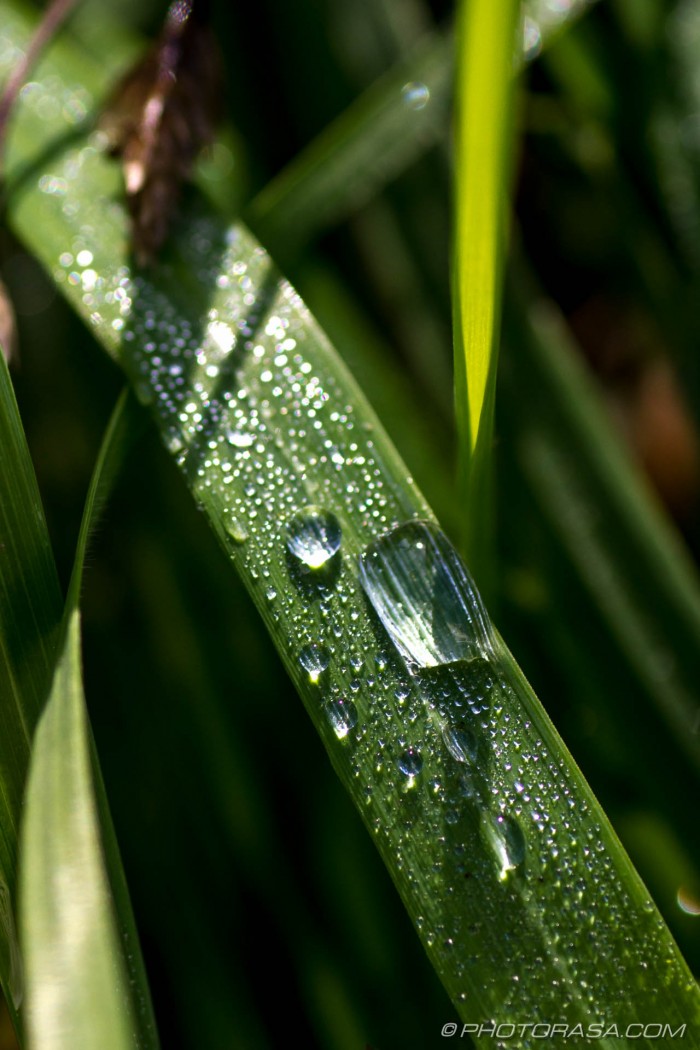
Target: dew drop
(313,537)
(410,762)
(315,660)
(415,94)
(505,836)
(240,438)
(461,743)
(236,530)
(532,39)
(342,715)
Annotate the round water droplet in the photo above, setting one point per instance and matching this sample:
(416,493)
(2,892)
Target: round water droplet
(315,660)
(505,836)
(410,762)
(313,537)
(415,94)
(342,715)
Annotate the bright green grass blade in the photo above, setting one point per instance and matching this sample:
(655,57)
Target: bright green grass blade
(520,891)
(30,610)
(485,74)
(84,975)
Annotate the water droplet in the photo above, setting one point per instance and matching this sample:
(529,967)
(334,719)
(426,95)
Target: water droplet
(313,537)
(236,530)
(688,901)
(410,762)
(315,660)
(415,94)
(342,715)
(424,596)
(505,836)
(460,742)
(270,594)
(532,38)
(240,438)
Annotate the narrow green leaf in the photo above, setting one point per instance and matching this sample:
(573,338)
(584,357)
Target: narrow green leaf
(517,885)
(77,984)
(85,981)
(30,610)
(485,74)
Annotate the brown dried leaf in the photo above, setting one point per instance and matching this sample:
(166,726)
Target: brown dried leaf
(163,112)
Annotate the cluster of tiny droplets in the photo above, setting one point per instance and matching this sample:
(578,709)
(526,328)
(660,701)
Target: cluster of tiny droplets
(265,425)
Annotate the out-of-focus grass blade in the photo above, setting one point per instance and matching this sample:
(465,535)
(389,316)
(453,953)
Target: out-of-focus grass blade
(382,133)
(85,983)
(519,889)
(390,125)
(30,611)
(486,50)
(625,551)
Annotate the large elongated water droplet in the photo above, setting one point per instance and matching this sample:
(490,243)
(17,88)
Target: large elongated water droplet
(505,836)
(313,537)
(424,596)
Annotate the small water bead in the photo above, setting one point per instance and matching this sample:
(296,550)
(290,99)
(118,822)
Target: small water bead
(240,438)
(315,660)
(532,38)
(236,530)
(342,715)
(313,537)
(416,94)
(410,762)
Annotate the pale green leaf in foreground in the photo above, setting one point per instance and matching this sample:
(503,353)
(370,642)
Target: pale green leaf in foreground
(519,889)
(85,984)
(485,74)
(77,985)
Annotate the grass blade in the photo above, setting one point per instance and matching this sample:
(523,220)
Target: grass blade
(486,50)
(85,979)
(77,984)
(30,610)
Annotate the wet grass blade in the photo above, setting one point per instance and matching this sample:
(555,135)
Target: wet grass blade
(509,869)
(483,129)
